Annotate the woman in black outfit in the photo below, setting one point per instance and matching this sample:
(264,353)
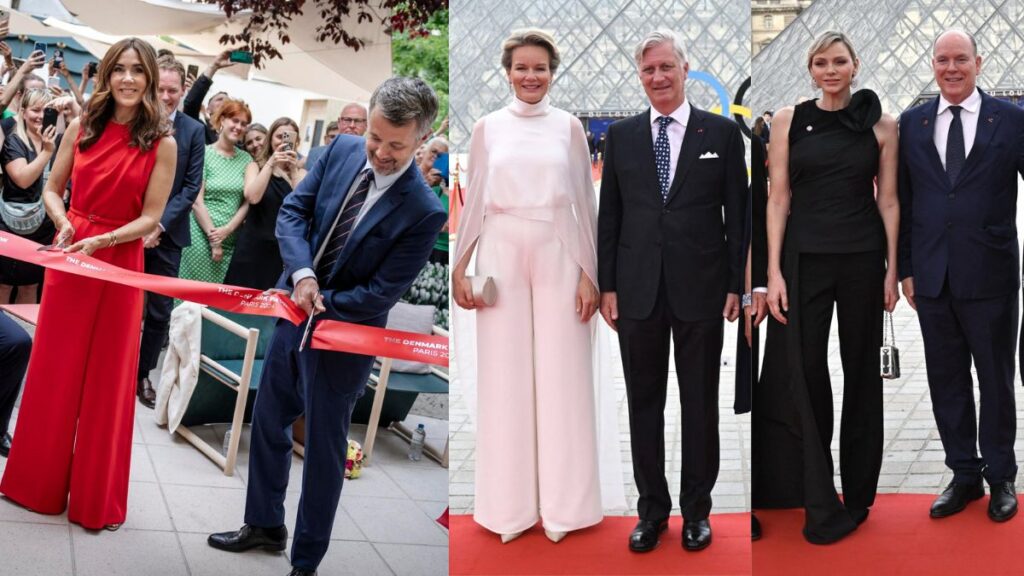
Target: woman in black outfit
(830,237)
(26,157)
(271,176)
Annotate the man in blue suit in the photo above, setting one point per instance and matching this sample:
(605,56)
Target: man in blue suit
(960,155)
(164,245)
(15,348)
(354,234)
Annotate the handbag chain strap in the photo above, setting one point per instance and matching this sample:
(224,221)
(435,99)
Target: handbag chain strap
(887,320)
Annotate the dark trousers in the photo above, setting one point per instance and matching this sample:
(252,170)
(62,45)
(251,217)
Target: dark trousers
(294,383)
(957,331)
(645,352)
(853,285)
(164,260)
(15,348)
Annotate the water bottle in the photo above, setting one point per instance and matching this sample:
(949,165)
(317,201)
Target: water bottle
(416,447)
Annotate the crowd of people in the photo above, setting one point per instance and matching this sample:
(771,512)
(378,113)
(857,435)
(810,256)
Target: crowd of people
(142,176)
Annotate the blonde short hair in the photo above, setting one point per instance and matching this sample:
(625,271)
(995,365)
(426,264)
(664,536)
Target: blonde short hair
(824,41)
(530,37)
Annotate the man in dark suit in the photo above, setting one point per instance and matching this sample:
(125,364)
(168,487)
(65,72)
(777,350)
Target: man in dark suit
(15,348)
(164,245)
(670,265)
(354,234)
(960,155)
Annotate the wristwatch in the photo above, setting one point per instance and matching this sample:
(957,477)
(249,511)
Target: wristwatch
(747,300)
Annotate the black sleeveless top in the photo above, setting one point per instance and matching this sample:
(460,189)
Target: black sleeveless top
(833,161)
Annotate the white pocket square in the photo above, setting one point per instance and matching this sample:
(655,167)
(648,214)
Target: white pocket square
(708,155)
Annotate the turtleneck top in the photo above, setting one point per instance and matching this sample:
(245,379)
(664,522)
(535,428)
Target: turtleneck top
(532,161)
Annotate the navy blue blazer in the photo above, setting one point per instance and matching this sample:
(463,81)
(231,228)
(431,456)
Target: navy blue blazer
(190,136)
(386,250)
(965,230)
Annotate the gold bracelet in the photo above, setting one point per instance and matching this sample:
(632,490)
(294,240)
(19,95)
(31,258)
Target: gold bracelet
(112,241)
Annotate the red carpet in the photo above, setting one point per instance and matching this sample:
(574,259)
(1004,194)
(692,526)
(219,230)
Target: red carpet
(601,549)
(899,538)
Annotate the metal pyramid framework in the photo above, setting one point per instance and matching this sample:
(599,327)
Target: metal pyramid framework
(596,38)
(893,39)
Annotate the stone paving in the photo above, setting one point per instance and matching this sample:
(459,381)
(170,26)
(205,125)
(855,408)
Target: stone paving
(731,493)
(384,525)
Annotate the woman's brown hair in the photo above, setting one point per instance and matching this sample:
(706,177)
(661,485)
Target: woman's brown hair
(268,144)
(149,124)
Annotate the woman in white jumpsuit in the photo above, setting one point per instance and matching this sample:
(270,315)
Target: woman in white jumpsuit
(530,215)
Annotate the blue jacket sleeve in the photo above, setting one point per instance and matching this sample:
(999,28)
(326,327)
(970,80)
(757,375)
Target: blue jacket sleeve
(180,204)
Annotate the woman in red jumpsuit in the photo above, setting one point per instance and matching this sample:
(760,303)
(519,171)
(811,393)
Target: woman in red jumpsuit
(73,441)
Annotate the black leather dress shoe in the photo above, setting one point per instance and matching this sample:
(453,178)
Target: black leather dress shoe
(696,534)
(147,395)
(301,572)
(859,515)
(1002,505)
(5,445)
(645,536)
(755,528)
(248,537)
(955,498)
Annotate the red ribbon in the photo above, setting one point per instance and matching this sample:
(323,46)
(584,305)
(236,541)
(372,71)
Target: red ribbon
(329,334)
(229,298)
(373,341)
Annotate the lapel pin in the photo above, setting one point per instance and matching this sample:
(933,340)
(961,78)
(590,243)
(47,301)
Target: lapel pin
(925,122)
(989,119)
(810,128)
(701,130)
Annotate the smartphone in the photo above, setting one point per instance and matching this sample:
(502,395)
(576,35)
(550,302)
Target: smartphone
(93,67)
(441,165)
(193,71)
(241,56)
(58,58)
(5,18)
(39,47)
(53,81)
(286,138)
(49,117)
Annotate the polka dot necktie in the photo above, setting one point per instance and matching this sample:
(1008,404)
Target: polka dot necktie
(955,155)
(661,155)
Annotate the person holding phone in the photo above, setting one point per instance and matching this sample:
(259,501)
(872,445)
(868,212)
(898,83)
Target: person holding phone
(194,100)
(271,176)
(22,81)
(27,156)
(433,163)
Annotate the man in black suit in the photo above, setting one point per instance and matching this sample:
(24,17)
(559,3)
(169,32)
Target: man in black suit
(670,265)
(960,154)
(163,245)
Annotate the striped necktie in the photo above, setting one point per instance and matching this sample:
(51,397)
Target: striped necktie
(343,229)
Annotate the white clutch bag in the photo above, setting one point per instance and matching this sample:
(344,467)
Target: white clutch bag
(484,291)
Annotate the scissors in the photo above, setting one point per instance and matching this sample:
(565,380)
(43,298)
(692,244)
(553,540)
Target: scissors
(53,247)
(309,325)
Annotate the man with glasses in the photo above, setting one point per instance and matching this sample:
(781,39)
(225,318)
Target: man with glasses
(352,120)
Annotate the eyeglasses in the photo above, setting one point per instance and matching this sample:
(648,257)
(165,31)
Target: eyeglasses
(347,120)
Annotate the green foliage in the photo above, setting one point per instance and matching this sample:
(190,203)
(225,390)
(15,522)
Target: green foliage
(425,57)
(431,287)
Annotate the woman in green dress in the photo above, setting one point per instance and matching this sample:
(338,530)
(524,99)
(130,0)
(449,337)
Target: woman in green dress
(220,208)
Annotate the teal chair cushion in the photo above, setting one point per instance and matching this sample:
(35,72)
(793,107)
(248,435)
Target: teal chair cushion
(403,388)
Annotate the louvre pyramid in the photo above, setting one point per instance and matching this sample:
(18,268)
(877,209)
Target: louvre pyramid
(596,38)
(893,39)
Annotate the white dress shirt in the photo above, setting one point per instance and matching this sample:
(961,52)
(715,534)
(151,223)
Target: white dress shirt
(676,131)
(968,117)
(378,187)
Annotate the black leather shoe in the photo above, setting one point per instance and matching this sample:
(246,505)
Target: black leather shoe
(696,535)
(1002,505)
(5,445)
(859,515)
(645,536)
(755,528)
(248,537)
(301,572)
(955,498)
(147,395)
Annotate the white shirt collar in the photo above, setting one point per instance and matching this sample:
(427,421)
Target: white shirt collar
(174,113)
(381,182)
(972,104)
(680,115)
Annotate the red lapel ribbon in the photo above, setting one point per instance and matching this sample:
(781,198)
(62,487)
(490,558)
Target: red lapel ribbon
(329,334)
